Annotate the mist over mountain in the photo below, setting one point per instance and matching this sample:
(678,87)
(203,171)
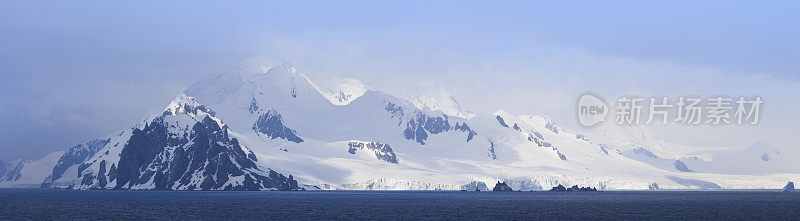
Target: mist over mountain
(277,129)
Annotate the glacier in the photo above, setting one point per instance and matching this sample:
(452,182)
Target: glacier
(278,130)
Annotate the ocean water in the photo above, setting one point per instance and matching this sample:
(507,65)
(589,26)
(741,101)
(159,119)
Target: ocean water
(47,204)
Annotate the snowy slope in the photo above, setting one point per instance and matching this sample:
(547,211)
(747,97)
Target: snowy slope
(185,148)
(65,170)
(23,173)
(435,150)
(250,130)
(341,91)
(437,98)
(755,159)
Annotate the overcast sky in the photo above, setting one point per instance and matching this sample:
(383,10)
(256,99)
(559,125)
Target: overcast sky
(76,70)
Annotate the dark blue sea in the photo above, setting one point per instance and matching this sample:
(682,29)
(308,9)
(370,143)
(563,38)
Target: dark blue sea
(48,204)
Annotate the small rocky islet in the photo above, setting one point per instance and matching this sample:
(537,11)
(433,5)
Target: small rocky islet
(574,188)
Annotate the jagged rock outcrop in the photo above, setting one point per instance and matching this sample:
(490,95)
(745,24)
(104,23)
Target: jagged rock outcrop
(501,186)
(538,140)
(417,128)
(180,153)
(11,170)
(560,155)
(789,187)
(574,188)
(681,166)
(419,124)
(465,128)
(559,188)
(382,151)
(271,124)
(74,157)
(653,186)
(501,121)
(491,153)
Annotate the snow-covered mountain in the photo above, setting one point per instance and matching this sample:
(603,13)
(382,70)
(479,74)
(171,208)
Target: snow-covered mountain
(278,130)
(24,173)
(341,91)
(185,148)
(65,171)
(437,98)
(755,159)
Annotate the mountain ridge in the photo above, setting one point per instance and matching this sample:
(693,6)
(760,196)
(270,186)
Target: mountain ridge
(278,122)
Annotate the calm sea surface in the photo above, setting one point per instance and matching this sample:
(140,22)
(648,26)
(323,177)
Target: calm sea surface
(39,204)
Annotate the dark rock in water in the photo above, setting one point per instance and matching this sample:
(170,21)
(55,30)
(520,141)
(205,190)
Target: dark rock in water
(789,187)
(501,186)
(574,188)
(592,189)
(559,188)
(653,186)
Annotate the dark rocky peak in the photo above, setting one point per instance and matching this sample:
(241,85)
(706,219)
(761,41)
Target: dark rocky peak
(501,186)
(501,121)
(463,127)
(574,188)
(204,158)
(681,166)
(382,151)
(418,127)
(184,104)
(271,124)
(75,156)
(789,187)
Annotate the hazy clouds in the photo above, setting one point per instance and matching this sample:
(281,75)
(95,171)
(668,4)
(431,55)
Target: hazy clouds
(72,71)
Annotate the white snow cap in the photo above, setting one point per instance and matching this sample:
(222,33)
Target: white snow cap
(340,91)
(186,105)
(435,97)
